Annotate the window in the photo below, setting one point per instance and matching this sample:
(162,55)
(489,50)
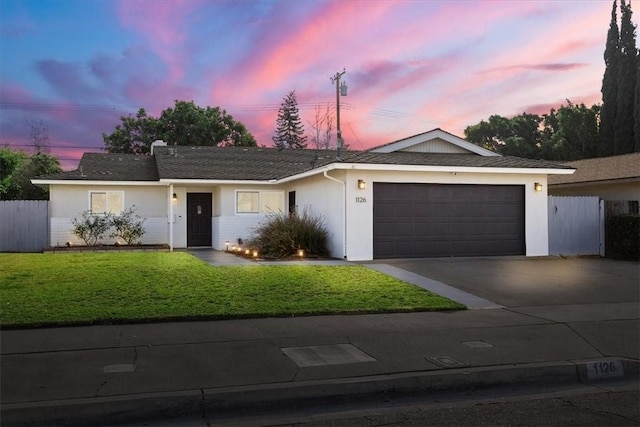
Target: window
(248,202)
(101,202)
(259,201)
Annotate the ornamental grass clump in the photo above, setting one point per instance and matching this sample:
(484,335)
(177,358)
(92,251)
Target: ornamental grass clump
(283,235)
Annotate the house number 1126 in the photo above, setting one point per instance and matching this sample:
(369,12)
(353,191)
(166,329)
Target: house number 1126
(361,200)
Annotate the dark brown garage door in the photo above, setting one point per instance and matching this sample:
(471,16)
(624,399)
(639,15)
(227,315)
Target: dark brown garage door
(442,220)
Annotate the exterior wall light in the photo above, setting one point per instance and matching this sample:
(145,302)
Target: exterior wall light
(361,184)
(175,197)
(537,186)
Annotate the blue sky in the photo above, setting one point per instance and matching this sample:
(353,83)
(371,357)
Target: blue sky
(411,66)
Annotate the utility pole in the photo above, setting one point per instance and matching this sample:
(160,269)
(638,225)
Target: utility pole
(341,89)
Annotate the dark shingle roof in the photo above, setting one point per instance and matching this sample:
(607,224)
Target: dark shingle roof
(261,164)
(456,160)
(237,163)
(111,167)
(601,169)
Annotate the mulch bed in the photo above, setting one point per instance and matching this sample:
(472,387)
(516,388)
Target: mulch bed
(108,248)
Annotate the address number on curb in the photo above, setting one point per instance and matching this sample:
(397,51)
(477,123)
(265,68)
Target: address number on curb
(600,369)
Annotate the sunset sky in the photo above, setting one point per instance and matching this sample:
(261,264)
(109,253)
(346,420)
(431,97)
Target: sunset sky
(411,66)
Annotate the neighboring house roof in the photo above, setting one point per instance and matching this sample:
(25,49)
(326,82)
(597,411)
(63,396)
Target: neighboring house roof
(626,166)
(111,167)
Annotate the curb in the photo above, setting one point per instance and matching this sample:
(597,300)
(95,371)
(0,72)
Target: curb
(200,403)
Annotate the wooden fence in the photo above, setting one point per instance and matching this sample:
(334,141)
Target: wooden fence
(576,226)
(24,225)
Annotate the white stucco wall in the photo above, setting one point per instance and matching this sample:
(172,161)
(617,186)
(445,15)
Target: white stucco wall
(70,201)
(359,230)
(324,198)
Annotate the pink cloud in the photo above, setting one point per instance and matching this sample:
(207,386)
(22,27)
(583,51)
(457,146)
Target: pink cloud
(164,25)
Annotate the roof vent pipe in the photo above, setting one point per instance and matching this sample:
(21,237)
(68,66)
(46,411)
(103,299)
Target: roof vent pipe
(157,143)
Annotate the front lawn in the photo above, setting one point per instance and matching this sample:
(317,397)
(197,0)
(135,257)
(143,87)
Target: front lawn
(89,288)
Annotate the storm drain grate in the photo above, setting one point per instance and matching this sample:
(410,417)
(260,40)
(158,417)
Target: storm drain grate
(124,367)
(321,355)
(446,362)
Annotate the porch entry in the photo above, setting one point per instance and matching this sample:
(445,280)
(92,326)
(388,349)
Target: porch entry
(198,219)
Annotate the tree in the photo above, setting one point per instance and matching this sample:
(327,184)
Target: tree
(571,132)
(610,87)
(322,126)
(17,169)
(519,136)
(624,140)
(289,129)
(184,124)
(10,162)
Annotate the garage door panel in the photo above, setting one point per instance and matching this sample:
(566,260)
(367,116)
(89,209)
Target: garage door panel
(429,220)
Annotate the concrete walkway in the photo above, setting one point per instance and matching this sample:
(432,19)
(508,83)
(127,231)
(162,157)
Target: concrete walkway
(128,373)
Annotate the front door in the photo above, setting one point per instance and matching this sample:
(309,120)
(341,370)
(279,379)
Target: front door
(198,219)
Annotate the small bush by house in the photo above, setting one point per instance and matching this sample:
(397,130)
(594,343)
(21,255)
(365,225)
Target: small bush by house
(283,235)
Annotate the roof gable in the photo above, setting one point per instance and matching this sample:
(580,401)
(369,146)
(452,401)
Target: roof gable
(434,141)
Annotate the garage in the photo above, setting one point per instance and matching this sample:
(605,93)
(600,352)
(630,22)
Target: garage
(412,220)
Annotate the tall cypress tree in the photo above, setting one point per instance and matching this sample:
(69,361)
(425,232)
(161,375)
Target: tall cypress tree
(289,128)
(610,86)
(624,141)
(636,113)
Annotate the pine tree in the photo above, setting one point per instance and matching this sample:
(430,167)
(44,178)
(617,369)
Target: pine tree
(289,128)
(610,86)
(624,141)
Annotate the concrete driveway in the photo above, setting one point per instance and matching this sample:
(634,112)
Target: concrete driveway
(539,281)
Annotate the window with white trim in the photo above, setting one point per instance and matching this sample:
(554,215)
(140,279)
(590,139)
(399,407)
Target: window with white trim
(259,202)
(102,202)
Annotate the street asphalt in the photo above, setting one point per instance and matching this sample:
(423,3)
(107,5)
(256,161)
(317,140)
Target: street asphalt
(530,320)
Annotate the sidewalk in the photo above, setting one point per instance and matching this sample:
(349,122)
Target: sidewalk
(120,373)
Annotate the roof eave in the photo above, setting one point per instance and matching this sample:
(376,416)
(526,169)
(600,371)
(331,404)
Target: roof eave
(90,182)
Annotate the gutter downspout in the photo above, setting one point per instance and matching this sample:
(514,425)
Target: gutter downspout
(344,213)
(170,201)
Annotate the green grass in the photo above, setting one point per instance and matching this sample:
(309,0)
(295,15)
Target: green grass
(89,288)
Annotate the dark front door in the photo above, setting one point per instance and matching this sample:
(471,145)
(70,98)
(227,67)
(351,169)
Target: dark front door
(198,219)
(443,220)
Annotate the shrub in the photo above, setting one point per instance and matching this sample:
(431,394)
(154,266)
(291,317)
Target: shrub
(127,226)
(282,235)
(90,228)
(623,237)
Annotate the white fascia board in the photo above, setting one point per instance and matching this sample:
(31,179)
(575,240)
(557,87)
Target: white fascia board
(461,169)
(79,182)
(217,182)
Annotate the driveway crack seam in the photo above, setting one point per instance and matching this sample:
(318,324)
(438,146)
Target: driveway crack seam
(583,338)
(99,387)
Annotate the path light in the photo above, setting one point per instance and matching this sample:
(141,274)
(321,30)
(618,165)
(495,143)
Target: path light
(300,253)
(537,186)
(255,254)
(247,251)
(226,245)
